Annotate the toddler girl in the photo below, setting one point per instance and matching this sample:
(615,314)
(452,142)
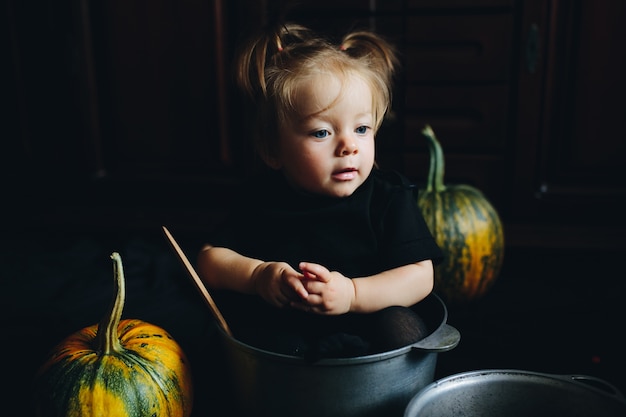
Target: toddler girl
(325,253)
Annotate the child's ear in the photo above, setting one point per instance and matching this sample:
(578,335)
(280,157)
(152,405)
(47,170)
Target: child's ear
(272,161)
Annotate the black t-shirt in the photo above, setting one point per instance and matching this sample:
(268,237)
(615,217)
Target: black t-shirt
(378,227)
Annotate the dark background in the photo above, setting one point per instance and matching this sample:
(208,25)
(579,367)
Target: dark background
(120,117)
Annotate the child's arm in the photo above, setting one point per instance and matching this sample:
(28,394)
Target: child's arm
(276,282)
(332,293)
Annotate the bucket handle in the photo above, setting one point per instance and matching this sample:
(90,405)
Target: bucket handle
(443,339)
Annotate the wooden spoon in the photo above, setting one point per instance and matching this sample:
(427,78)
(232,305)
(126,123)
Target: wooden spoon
(199,284)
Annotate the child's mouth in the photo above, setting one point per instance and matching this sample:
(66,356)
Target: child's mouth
(345,174)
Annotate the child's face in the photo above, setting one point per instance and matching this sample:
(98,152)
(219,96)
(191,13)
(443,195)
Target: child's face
(330,149)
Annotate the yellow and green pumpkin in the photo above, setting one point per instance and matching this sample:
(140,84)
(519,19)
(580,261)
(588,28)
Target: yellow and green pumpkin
(467,228)
(115,369)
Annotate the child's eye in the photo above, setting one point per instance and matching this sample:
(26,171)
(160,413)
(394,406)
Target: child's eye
(320,134)
(361,130)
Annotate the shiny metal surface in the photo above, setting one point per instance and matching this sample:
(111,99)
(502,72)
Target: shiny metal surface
(378,385)
(517,393)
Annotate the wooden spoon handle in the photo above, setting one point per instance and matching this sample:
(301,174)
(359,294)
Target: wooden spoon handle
(198,282)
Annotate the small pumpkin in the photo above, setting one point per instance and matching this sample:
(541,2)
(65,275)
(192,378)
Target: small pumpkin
(467,228)
(115,369)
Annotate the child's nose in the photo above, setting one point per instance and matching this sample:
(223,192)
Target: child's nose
(347,147)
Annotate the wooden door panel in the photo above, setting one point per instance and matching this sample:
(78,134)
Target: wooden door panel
(459,47)
(159,87)
(468,118)
(570,142)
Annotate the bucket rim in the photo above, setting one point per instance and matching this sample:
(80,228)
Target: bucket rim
(356,360)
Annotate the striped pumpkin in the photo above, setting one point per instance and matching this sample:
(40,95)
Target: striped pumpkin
(467,228)
(115,369)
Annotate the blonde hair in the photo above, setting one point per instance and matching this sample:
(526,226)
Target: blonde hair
(272,66)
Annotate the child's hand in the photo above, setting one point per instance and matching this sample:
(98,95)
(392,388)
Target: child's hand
(278,283)
(328,292)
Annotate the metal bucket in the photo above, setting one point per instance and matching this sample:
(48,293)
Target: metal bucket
(514,393)
(271,384)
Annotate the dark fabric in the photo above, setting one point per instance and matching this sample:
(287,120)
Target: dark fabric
(377,228)
(314,336)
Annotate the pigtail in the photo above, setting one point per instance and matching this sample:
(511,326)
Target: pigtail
(267,51)
(250,66)
(380,54)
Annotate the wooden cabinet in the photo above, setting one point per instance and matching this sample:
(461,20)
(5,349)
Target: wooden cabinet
(526,98)
(120,89)
(119,113)
(569,141)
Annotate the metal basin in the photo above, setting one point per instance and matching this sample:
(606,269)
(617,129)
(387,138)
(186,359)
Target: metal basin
(514,393)
(377,385)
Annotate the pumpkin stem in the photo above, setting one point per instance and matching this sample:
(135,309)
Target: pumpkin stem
(436,168)
(107,337)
